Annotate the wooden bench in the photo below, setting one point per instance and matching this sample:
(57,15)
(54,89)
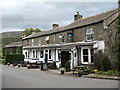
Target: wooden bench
(82,68)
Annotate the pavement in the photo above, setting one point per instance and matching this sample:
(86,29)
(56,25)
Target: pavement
(70,74)
(14,77)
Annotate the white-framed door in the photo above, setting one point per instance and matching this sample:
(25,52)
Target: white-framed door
(85,55)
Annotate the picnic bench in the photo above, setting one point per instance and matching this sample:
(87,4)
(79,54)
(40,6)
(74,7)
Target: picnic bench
(82,68)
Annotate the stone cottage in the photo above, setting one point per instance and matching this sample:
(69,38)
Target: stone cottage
(76,42)
(13,48)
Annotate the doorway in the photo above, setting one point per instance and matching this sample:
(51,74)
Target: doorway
(64,57)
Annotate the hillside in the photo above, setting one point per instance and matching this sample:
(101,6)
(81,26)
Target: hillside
(8,37)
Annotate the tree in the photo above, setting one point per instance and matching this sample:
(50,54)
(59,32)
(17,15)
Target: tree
(29,31)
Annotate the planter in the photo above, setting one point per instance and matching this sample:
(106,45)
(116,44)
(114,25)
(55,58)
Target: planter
(8,64)
(79,74)
(19,65)
(62,72)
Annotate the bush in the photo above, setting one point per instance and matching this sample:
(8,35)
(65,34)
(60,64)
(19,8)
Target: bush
(3,61)
(53,65)
(11,58)
(67,66)
(106,65)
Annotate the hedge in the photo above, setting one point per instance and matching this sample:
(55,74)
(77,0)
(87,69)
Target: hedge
(11,58)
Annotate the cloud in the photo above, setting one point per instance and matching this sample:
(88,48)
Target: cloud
(21,15)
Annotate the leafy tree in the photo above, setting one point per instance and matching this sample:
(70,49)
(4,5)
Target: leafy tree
(28,31)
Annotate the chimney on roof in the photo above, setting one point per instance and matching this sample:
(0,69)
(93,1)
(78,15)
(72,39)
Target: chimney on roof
(55,26)
(118,3)
(77,16)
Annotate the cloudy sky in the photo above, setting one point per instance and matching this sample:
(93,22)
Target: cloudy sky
(18,15)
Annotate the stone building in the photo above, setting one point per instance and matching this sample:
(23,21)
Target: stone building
(76,42)
(13,48)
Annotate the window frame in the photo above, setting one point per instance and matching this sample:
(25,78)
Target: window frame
(32,42)
(61,37)
(47,40)
(89,33)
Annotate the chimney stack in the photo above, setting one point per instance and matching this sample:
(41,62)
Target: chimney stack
(77,16)
(118,3)
(55,26)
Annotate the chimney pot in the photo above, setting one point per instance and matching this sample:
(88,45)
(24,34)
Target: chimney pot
(55,26)
(77,16)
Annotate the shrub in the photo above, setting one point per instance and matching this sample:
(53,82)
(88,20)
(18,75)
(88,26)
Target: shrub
(67,66)
(3,61)
(11,58)
(53,65)
(106,65)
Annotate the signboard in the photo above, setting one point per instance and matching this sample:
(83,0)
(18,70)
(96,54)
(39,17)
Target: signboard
(70,36)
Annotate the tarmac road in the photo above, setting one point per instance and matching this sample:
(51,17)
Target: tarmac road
(13,77)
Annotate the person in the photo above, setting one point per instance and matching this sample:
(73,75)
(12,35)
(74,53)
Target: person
(41,65)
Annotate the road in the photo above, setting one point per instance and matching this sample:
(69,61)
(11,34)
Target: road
(13,77)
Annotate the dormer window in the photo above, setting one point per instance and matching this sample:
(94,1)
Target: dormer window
(47,40)
(89,35)
(61,37)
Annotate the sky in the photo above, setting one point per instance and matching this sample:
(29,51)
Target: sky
(17,15)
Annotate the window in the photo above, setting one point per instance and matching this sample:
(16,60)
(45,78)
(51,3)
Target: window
(61,37)
(41,54)
(33,53)
(49,54)
(36,53)
(89,32)
(47,40)
(32,42)
(26,54)
(87,55)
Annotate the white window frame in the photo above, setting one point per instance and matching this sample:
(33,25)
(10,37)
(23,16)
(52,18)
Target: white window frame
(36,54)
(47,39)
(89,55)
(27,54)
(61,37)
(89,33)
(32,42)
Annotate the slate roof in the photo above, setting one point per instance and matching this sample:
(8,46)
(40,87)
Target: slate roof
(14,44)
(75,24)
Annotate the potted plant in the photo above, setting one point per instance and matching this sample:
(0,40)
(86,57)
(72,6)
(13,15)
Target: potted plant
(19,65)
(62,70)
(79,73)
(8,64)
